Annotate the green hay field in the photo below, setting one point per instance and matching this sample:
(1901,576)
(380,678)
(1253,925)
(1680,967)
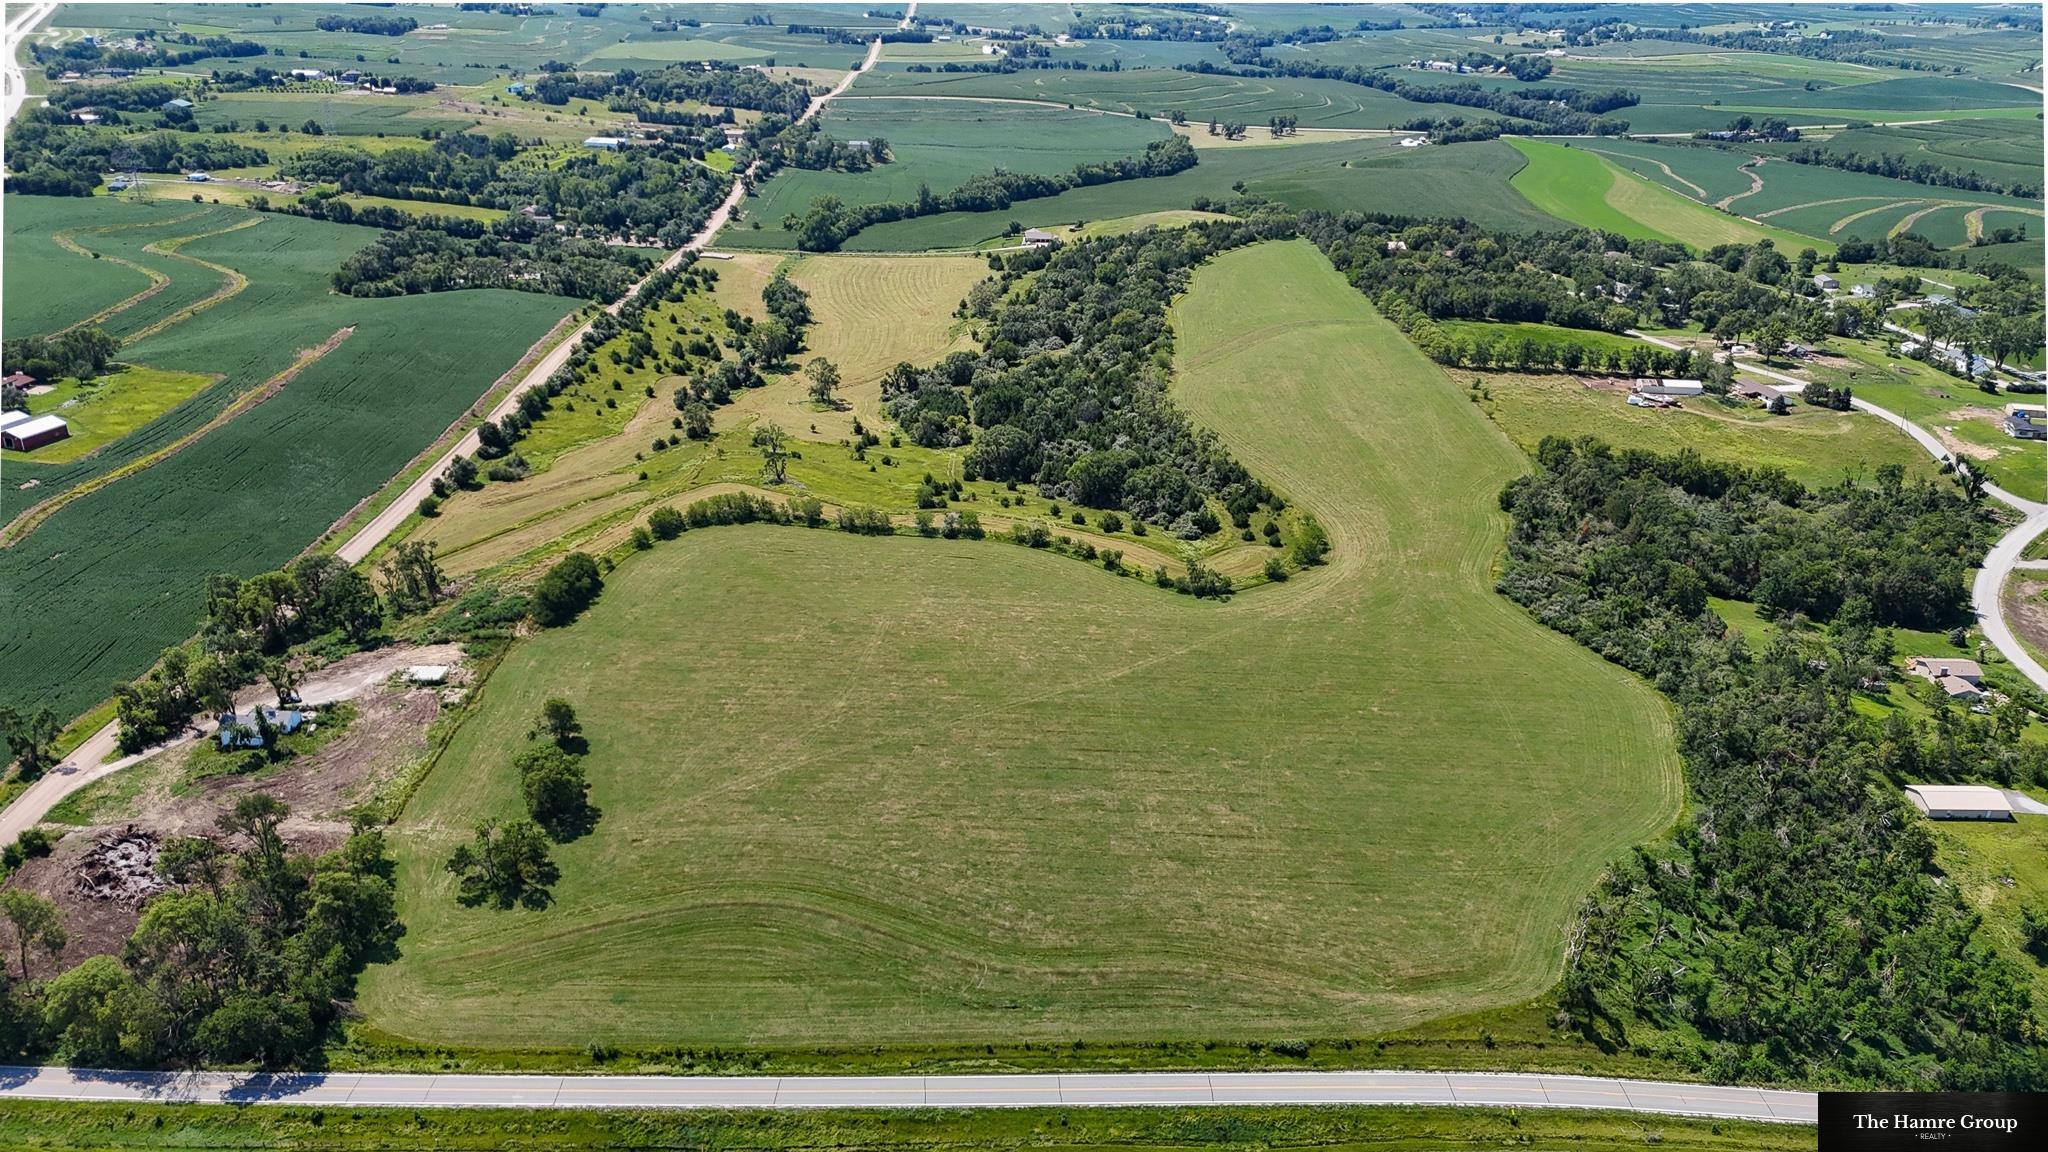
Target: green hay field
(912,790)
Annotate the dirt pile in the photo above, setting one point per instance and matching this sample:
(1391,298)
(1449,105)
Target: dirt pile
(121,866)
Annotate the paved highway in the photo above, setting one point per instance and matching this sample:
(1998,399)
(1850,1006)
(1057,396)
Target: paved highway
(1094,1090)
(13,83)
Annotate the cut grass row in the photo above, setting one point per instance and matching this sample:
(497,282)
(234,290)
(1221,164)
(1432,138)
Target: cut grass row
(935,791)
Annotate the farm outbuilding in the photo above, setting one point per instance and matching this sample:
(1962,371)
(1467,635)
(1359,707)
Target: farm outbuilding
(1959,801)
(1658,387)
(19,380)
(27,435)
(604,143)
(1039,238)
(1826,283)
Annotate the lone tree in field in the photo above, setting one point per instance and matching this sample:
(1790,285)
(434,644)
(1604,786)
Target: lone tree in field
(557,721)
(35,922)
(29,735)
(566,589)
(412,581)
(506,865)
(697,420)
(557,796)
(824,379)
(774,445)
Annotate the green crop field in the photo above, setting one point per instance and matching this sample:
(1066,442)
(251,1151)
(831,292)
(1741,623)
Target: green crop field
(252,492)
(940,144)
(1814,446)
(2006,150)
(1587,189)
(1319,103)
(46,286)
(904,790)
(1372,175)
(351,113)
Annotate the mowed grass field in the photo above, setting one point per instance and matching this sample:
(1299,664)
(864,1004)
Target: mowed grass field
(863,790)
(93,593)
(1580,186)
(1812,445)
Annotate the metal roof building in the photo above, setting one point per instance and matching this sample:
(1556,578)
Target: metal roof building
(1959,801)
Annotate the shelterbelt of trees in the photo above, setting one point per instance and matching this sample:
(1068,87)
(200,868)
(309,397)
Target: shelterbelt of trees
(1796,926)
(831,221)
(1551,111)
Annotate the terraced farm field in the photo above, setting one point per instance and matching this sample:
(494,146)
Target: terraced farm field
(124,563)
(1581,186)
(1054,805)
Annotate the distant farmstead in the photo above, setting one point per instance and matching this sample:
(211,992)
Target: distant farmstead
(25,433)
(1960,801)
(605,143)
(1039,238)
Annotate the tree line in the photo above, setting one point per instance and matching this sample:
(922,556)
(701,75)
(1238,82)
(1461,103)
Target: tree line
(830,221)
(1796,926)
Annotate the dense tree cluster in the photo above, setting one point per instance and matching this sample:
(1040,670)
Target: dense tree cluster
(1071,393)
(367,24)
(1796,928)
(82,352)
(414,260)
(722,86)
(245,959)
(830,221)
(48,155)
(654,192)
(158,50)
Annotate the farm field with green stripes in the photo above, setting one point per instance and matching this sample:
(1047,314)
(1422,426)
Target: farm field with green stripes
(1580,186)
(880,831)
(247,495)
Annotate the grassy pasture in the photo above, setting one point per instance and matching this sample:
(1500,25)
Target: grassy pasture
(911,790)
(941,144)
(652,51)
(1999,868)
(124,564)
(1585,188)
(1811,445)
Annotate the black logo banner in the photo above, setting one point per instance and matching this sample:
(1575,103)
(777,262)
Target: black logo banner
(1927,1121)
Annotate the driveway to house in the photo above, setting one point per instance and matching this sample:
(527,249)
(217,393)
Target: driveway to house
(1086,1090)
(346,679)
(1998,563)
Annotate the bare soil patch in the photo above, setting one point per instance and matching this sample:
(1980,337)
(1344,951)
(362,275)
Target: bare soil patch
(2026,606)
(101,877)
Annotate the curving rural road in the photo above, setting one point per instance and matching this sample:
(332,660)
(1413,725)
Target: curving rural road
(1998,563)
(1088,1090)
